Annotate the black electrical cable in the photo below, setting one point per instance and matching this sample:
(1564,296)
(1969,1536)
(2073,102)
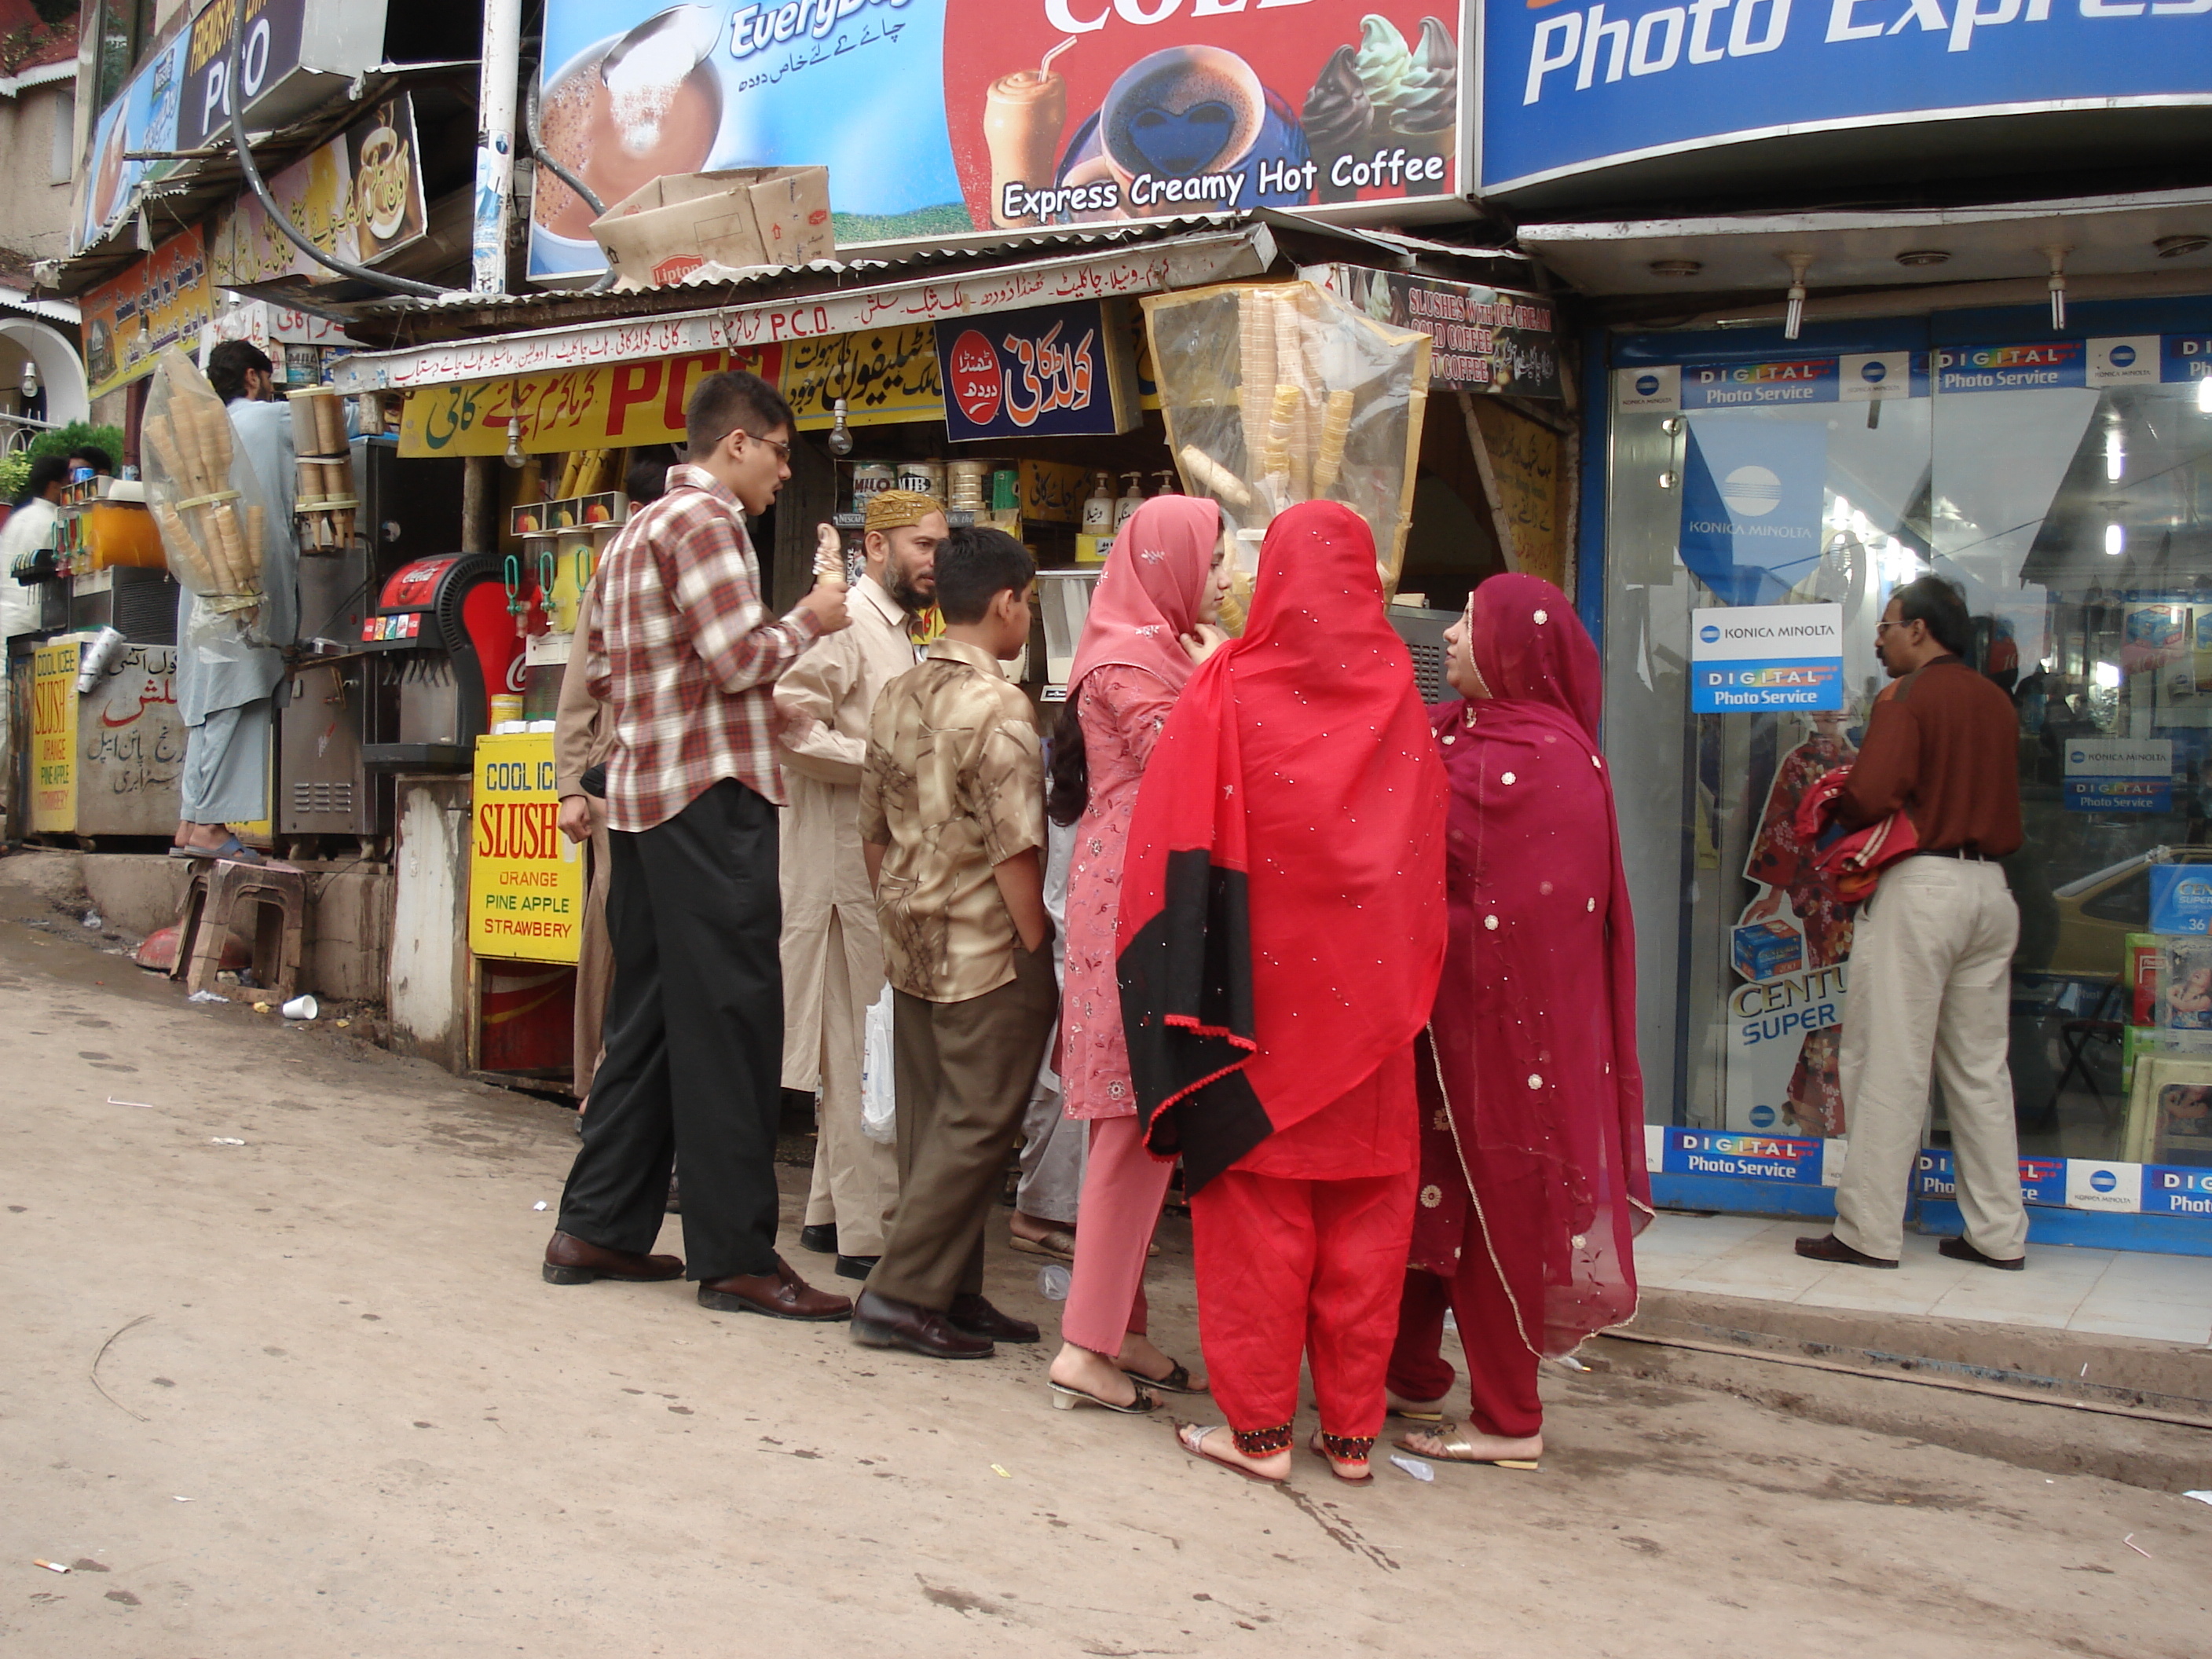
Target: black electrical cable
(276,215)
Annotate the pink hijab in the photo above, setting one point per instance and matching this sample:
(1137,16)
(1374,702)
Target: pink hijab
(1149,597)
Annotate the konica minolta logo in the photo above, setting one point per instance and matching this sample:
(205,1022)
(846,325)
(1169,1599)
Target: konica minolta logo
(1646,384)
(1710,633)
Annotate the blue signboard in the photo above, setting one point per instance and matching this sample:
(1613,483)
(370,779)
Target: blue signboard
(2042,1180)
(1568,90)
(2171,1189)
(1751,506)
(1050,371)
(1750,1156)
(2180,898)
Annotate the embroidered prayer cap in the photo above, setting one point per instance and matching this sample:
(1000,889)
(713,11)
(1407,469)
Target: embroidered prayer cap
(894,509)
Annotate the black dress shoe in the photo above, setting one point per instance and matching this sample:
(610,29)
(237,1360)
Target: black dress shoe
(856,1266)
(1829,1247)
(972,1316)
(883,1321)
(821,1237)
(1958,1250)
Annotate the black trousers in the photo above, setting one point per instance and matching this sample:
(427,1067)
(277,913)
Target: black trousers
(694,1040)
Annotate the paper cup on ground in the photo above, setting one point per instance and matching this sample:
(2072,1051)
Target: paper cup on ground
(304,1007)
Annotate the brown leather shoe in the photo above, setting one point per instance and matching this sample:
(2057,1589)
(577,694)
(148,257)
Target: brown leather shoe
(779,1294)
(972,1316)
(569,1260)
(883,1321)
(1829,1247)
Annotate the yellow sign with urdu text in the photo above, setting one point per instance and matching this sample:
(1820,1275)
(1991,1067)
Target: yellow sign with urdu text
(53,737)
(617,406)
(525,877)
(163,300)
(884,375)
(1524,464)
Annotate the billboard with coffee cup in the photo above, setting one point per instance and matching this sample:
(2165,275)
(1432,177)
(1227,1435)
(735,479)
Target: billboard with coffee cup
(940,117)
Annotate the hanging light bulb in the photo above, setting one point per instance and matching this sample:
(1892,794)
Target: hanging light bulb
(841,436)
(2115,454)
(2056,255)
(1793,320)
(514,456)
(31,379)
(2116,540)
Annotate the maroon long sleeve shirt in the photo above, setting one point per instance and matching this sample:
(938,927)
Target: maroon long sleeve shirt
(1944,745)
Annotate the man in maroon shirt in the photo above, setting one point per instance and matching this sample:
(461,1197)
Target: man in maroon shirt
(686,656)
(1931,957)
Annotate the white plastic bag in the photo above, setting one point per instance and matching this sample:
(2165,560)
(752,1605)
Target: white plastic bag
(878,1091)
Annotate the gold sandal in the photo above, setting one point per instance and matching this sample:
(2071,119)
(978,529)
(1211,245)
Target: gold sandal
(1458,1449)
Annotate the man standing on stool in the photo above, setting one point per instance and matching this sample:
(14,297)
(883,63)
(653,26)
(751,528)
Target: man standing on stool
(686,656)
(1931,958)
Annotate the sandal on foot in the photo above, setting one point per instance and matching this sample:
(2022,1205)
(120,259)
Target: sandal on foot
(1176,1381)
(1319,1446)
(1191,1437)
(1418,1411)
(1458,1449)
(1059,1244)
(1065,1397)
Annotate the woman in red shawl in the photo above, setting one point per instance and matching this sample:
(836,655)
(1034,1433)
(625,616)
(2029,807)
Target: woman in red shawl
(1281,932)
(1150,624)
(1532,1182)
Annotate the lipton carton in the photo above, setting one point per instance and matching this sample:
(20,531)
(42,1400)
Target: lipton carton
(741,218)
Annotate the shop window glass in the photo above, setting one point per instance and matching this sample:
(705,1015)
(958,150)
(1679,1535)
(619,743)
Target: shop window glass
(2078,521)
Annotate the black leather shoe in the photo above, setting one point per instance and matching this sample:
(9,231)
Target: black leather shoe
(882,1321)
(856,1266)
(972,1316)
(1958,1250)
(1829,1247)
(820,1238)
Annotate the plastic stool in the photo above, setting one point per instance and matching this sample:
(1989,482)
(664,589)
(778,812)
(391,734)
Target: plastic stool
(279,898)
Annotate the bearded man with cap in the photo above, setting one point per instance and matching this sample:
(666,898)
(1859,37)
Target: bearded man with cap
(833,964)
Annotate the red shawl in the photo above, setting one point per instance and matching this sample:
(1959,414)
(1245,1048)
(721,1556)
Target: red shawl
(1533,1101)
(1282,924)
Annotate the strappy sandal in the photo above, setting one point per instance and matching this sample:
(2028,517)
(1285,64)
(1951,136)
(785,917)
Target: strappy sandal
(1337,1466)
(1458,1449)
(1176,1381)
(1191,1437)
(1066,1397)
(1059,1244)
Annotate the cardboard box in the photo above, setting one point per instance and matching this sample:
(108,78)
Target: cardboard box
(741,218)
(1767,949)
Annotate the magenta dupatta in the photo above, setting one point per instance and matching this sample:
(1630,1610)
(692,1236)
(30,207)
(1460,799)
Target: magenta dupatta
(1533,1100)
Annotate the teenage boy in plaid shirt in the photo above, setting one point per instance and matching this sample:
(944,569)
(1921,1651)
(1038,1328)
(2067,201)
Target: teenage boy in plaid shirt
(686,656)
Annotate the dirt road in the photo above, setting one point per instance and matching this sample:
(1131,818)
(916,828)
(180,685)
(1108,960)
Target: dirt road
(308,1395)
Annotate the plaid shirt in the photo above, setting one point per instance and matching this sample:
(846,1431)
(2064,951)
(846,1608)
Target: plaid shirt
(685,657)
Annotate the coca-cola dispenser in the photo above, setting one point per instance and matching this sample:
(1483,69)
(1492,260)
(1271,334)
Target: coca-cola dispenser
(449,630)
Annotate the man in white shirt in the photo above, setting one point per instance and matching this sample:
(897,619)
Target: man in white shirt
(833,965)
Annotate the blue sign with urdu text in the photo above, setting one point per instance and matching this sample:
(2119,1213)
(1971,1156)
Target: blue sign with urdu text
(1572,88)
(1063,371)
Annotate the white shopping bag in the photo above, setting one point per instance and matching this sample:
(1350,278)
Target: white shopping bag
(879,1092)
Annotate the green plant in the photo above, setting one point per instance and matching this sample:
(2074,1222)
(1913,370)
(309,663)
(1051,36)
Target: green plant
(59,440)
(15,473)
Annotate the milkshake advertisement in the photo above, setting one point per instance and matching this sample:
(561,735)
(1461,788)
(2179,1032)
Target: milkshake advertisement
(940,117)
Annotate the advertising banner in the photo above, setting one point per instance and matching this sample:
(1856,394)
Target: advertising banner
(938,117)
(1052,372)
(165,298)
(1745,1156)
(358,196)
(53,736)
(142,121)
(1488,339)
(2168,1189)
(611,408)
(525,877)
(884,374)
(1853,378)
(1570,90)
(1767,656)
(2119,775)
(2029,367)
(288,54)
(1751,508)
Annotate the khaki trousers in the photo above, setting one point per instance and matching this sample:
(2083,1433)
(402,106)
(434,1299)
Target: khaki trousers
(964,1074)
(1930,985)
(856,1179)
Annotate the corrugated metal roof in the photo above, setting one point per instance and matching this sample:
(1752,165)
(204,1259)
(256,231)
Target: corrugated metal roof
(51,311)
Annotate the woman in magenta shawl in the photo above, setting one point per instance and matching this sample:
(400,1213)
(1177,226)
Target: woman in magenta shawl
(1532,1182)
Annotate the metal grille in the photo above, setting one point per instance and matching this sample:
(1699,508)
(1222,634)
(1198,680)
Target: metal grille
(317,795)
(1429,670)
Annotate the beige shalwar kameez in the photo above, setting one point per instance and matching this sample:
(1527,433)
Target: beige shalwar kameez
(833,964)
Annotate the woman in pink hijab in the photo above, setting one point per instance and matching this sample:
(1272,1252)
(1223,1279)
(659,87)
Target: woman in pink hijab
(1151,622)
(1532,1182)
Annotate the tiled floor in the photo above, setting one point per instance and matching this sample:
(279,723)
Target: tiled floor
(2109,1292)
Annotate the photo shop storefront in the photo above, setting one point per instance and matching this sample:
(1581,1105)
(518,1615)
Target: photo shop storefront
(1755,502)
